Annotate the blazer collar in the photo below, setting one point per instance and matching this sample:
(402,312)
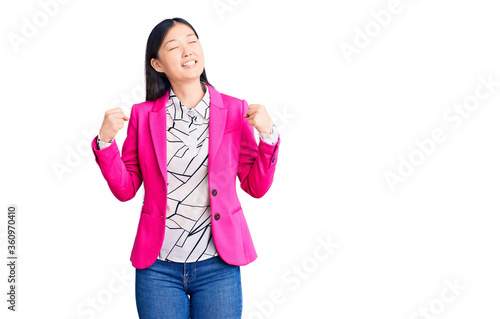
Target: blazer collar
(215,100)
(177,110)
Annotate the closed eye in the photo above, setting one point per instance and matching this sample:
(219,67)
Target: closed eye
(177,47)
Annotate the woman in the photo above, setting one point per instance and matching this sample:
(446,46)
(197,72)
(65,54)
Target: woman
(187,142)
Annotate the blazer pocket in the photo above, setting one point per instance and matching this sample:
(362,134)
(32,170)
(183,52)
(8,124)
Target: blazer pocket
(238,209)
(145,211)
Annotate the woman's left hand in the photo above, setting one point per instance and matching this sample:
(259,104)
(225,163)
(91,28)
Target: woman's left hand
(259,118)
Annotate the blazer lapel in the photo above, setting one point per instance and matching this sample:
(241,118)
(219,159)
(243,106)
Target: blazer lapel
(158,128)
(216,124)
(158,131)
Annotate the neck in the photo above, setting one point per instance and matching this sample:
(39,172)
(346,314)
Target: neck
(189,93)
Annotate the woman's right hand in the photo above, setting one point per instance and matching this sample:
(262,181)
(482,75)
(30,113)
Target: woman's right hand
(114,120)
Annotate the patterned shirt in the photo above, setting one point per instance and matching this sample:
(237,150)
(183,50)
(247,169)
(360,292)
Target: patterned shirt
(188,233)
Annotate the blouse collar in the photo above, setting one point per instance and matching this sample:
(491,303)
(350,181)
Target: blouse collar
(177,110)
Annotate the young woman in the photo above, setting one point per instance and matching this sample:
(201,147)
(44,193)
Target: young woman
(187,143)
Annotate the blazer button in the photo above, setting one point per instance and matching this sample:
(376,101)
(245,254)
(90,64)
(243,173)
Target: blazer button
(214,192)
(216,216)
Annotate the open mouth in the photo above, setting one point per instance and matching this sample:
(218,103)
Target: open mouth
(189,63)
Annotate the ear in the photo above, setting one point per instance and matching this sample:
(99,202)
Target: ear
(156,65)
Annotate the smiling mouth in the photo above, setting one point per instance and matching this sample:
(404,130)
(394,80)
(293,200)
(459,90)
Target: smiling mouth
(193,62)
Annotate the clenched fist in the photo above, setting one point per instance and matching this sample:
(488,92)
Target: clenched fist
(258,118)
(114,120)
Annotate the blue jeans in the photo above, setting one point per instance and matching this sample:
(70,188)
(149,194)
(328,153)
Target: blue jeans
(210,288)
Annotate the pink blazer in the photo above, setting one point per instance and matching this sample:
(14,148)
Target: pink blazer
(233,151)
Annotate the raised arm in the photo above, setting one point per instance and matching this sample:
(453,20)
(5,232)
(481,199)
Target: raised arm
(123,174)
(257,163)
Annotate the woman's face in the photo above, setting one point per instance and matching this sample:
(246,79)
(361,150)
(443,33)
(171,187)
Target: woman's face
(179,46)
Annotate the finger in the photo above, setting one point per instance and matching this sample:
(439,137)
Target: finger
(249,113)
(114,110)
(117,113)
(252,111)
(119,116)
(120,120)
(251,116)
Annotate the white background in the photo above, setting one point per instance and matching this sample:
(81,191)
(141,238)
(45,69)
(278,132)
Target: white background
(344,125)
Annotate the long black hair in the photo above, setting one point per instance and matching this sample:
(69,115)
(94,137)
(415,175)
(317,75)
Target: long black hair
(157,84)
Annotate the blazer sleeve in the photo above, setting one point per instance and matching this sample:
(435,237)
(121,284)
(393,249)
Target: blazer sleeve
(257,163)
(123,174)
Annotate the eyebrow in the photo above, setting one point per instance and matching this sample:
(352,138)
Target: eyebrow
(176,39)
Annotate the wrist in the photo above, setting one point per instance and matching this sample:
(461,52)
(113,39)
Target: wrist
(104,139)
(269,130)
